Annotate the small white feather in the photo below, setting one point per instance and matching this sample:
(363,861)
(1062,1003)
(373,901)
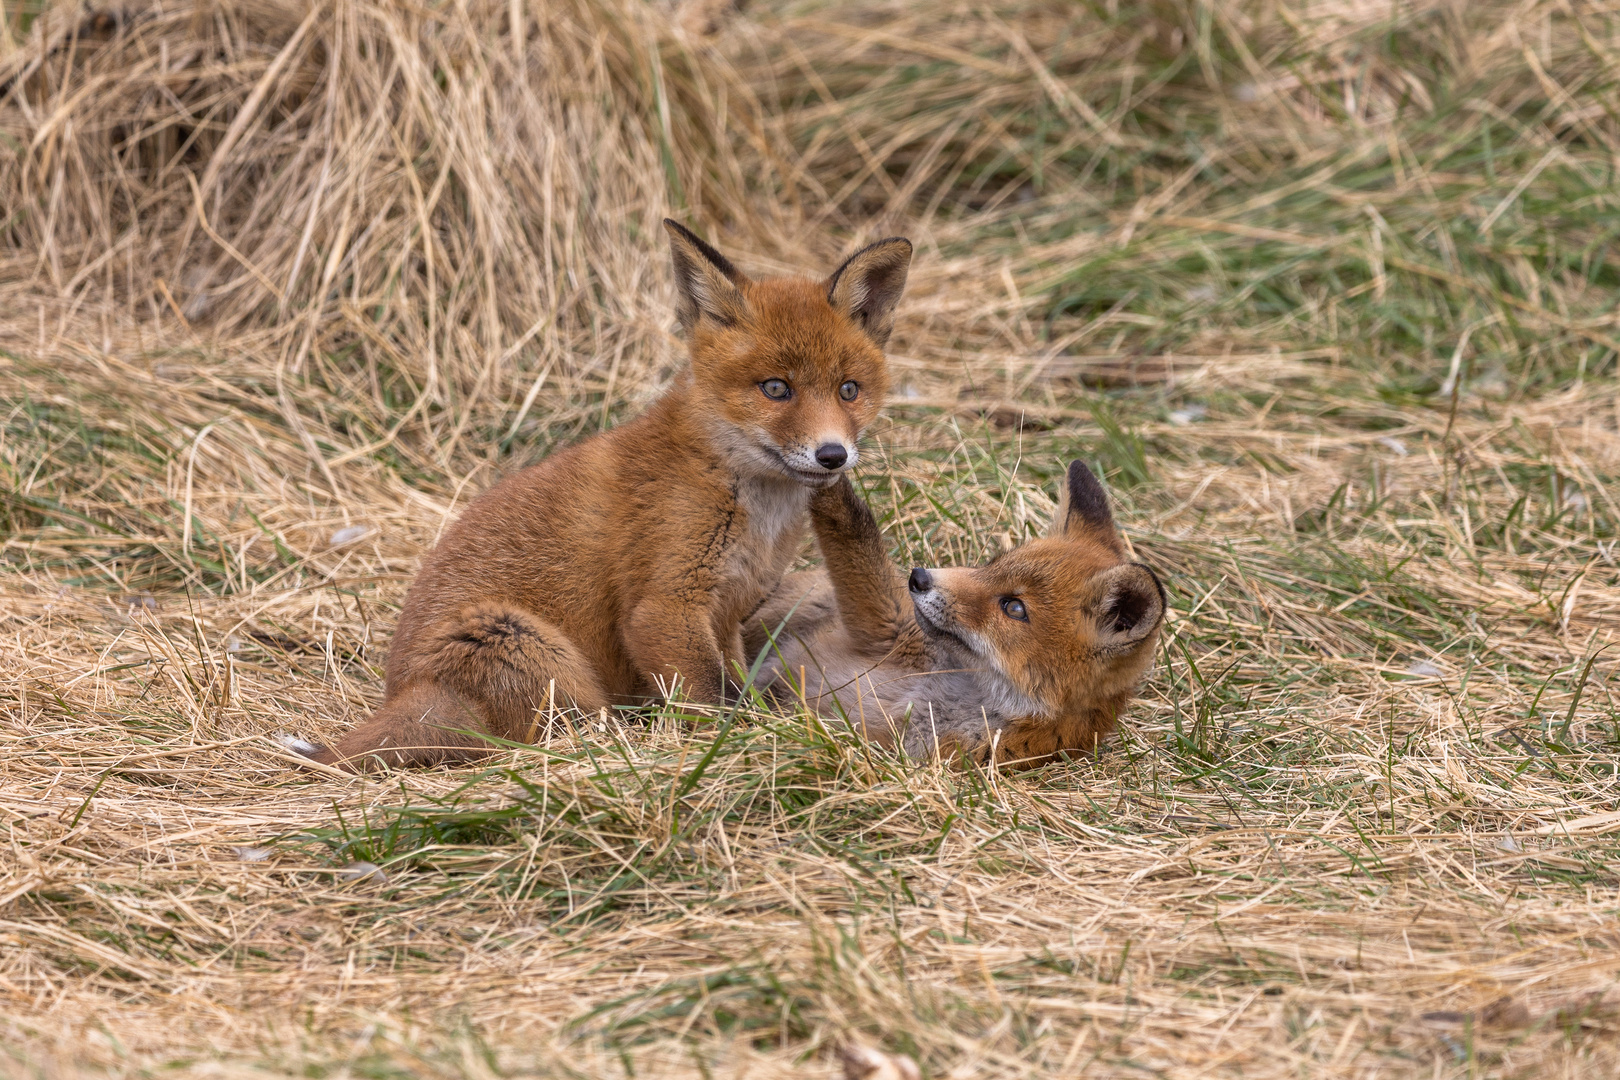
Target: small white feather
(295,744)
(349,534)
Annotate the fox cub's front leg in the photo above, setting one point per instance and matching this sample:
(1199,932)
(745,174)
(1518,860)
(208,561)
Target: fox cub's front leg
(872,599)
(669,639)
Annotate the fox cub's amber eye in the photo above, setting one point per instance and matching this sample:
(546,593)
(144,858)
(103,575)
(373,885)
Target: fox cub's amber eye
(1013,608)
(776,389)
(849,391)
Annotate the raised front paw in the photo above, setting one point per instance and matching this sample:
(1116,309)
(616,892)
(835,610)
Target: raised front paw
(837,503)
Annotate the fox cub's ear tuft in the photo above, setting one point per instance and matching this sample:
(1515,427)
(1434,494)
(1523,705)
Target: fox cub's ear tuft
(706,282)
(1083,509)
(868,286)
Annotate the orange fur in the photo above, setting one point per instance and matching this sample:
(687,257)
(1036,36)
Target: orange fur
(630,560)
(941,662)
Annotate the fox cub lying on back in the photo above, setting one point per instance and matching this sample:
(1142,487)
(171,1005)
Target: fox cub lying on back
(1036,652)
(631,559)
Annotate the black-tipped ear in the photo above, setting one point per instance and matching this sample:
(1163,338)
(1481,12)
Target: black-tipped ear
(1083,506)
(868,286)
(706,282)
(1131,605)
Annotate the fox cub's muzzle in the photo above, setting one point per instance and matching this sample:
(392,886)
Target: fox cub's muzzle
(934,606)
(820,461)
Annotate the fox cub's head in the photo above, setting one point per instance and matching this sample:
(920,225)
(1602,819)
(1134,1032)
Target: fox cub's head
(792,369)
(1067,621)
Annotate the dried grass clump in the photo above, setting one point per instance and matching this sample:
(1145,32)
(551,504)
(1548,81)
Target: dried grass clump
(900,108)
(436,187)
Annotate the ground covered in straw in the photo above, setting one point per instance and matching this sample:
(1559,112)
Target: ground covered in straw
(1326,290)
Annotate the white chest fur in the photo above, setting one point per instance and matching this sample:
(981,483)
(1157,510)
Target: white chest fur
(772,508)
(961,698)
(775,516)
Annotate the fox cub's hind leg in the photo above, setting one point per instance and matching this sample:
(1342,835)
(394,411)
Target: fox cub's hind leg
(487,669)
(801,605)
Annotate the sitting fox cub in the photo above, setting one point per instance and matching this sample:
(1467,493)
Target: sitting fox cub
(1036,652)
(615,566)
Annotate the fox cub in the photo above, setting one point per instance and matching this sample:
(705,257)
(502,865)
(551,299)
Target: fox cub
(630,560)
(1036,652)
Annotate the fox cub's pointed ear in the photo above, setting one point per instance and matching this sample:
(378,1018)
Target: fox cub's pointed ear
(706,282)
(868,286)
(1083,509)
(1130,605)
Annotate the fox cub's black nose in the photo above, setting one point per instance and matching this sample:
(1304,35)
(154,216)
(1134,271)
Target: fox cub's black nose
(920,581)
(831,455)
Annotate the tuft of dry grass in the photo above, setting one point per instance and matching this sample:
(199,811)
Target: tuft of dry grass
(395,200)
(1323,289)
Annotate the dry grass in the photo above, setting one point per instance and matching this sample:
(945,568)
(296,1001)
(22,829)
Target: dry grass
(1325,289)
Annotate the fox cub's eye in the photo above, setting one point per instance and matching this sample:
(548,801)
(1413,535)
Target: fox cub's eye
(776,389)
(1013,608)
(849,391)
